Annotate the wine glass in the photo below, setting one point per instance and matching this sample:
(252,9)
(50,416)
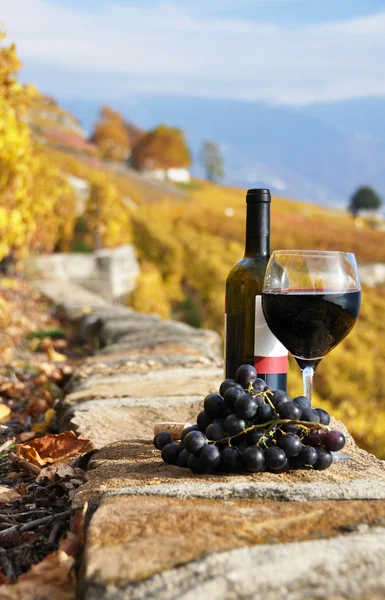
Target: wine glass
(311,300)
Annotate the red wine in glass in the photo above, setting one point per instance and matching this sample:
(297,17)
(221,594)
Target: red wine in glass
(310,323)
(311,300)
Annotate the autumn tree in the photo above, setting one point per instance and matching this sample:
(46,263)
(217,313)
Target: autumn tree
(37,204)
(111,135)
(161,148)
(365,198)
(106,216)
(211,161)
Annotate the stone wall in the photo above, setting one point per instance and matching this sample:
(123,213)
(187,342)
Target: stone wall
(160,532)
(108,273)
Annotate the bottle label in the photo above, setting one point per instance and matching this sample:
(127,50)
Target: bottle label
(270,356)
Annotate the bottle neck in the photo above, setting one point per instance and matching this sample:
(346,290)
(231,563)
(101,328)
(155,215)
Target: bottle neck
(257,229)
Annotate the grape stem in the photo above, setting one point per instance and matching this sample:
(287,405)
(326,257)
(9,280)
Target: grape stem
(306,425)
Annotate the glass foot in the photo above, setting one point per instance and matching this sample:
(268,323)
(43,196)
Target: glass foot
(340,456)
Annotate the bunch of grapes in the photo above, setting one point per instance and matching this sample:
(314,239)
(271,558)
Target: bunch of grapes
(250,427)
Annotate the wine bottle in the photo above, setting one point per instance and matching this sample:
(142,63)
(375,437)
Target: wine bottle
(248,340)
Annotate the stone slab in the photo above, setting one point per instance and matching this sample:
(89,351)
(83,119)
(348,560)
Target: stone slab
(126,467)
(70,294)
(110,408)
(162,533)
(158,383)
(111,420)
(344,566)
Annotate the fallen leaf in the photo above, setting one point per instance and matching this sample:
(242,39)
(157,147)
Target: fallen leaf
(53,577)
(55,356)
(54,448)
(13,389)
(5,411)
(37,405)
(55,472)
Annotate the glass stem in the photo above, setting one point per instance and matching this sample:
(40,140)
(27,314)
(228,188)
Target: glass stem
(307,377)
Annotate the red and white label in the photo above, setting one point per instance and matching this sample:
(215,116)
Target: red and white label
(270,356)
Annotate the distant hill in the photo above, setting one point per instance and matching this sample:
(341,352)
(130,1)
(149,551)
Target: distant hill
(300,152)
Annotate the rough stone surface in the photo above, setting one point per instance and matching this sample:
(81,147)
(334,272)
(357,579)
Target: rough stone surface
(135,466)
(110,408)
(157,531)
(110,273)
(70,294)
(345,566)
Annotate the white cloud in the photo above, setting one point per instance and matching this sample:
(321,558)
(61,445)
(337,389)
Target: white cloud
(164,49)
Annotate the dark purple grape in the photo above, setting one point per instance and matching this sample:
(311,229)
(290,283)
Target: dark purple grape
(214,405)
(275,457)
(162,439)
(265,413)
(254,436)
(290,410)
(259,385)
(231,459)
(315,437)
(232,395)
(215,432)
(187,430)
(324,460)
(194,441)
(203,420)
(309,414)
(225,385)
(334,440)
(183,458)
(195,464)
(239,439)
(246,374)
(289,428)
(302,401)
(259,400)
(234,425)
(279,398)
(210,457)
(307,457)
(324,416)
(170,453)
(242,445)
(290,444)
(283,468)
(245,407)
(253,459)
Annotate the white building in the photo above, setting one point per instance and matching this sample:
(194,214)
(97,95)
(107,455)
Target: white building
(177,174)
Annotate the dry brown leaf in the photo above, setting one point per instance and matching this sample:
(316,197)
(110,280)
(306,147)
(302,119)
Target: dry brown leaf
(53,577)
(13,389)
(54,448)
(5,411)
(55,472)
(55,356)
(37,405)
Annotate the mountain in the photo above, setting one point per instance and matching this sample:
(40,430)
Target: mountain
(319,153)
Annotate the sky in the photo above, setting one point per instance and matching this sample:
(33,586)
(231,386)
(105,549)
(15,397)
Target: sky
(290,52)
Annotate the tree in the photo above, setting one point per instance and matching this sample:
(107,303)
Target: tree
(106,216)
(37,204)
(111,136)
(161,148)
(211,160)
(365,198)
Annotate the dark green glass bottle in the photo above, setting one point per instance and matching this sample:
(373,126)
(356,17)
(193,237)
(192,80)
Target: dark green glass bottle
(248,340)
